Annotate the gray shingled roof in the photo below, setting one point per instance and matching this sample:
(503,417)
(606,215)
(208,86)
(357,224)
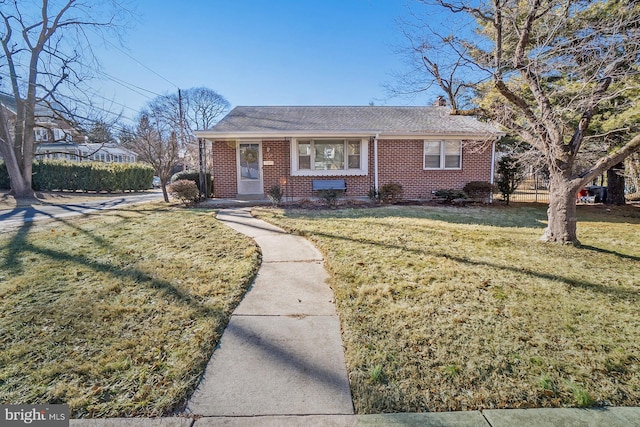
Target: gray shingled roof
(370,119)
(10,102)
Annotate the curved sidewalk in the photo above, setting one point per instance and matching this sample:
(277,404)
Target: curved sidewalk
(281,353)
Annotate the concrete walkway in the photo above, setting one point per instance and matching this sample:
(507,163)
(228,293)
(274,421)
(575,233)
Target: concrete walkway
(282,352)
(280,361)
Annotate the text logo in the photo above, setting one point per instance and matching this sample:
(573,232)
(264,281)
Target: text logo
(34,415)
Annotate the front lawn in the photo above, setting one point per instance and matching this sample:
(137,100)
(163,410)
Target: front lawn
(117,313)
(464,308)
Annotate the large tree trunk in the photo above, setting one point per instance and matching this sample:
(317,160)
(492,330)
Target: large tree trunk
(615,185)
(561,214)
(21,188)
(20,182)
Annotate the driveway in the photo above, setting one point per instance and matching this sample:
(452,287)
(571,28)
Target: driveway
(10,219)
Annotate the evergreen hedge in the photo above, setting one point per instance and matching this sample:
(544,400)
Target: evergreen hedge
(86,176)
(4,177)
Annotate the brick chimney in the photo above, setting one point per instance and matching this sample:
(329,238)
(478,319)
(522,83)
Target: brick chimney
(440,101)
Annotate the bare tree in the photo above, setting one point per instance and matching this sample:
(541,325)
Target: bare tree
(156,142)
(551,64)
(434,60)
(43,45)
(166,126)
(203,107)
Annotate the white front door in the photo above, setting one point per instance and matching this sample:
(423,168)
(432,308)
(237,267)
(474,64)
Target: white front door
(249,163)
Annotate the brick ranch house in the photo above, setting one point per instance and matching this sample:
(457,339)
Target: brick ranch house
(421,148)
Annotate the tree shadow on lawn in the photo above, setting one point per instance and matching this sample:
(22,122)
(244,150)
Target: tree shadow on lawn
(17,243)
(609,252)
(30,212)
(595,287)
(516,215)
(500,216)
(19,246)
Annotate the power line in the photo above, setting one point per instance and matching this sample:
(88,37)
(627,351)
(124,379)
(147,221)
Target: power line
(128,85)
(141,64)
(95,107)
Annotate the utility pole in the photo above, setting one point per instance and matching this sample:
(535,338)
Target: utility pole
(182,144)
(203,183)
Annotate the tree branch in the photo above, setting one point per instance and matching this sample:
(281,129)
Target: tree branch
(610,160)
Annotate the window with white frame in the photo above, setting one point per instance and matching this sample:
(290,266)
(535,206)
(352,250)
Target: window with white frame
(442,154)
(329,157)
(41,134)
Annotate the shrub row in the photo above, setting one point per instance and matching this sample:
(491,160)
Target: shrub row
(475,190)
(85,176)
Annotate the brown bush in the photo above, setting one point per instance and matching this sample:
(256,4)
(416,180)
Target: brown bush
(184,190)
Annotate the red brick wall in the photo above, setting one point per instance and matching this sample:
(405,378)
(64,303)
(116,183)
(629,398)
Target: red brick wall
(225,173)
(399,161)
(278,153)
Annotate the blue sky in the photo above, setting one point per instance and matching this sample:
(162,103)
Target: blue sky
(280,52)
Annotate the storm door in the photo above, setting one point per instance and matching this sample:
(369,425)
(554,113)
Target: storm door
(249,168)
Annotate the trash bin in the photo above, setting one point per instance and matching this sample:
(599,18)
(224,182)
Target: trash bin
(599,192)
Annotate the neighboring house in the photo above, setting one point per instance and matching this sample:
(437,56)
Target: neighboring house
(56,139)
(421,148)
(84,152)
(48,129)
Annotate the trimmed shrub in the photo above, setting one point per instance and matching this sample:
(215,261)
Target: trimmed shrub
(275,194)
(85,176)
(194,175)
(91,176)
(184,190)
(478,190)
(450,194)
(391,192)
(330,196)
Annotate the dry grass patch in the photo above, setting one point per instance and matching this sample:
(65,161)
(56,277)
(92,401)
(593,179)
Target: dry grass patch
(463,308)
(117,314)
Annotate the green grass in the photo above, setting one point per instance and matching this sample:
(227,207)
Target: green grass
(117,314)
(464,308)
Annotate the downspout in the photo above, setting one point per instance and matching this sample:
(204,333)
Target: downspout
(493,167)
(375,162)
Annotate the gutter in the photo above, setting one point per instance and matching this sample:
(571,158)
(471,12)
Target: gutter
(215,135)
(375,163)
